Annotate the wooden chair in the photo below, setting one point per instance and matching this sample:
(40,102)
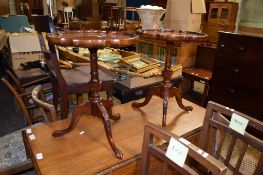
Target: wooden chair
(152,132)
(12,149)
(201,71)
(242,154)
(47,109)
(23,88)
(113,14)
(130,24)
(75,81)
(26,109)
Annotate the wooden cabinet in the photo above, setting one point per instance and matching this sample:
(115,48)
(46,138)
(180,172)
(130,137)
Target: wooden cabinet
(29,7)
(183,53)
(4,7)
(221,17)
(237,80)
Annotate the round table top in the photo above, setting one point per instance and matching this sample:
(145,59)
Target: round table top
(172,35)
(92,38)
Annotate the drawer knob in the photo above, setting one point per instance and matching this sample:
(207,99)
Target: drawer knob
(240,48)
(231,90)
(235,70)
(222,45)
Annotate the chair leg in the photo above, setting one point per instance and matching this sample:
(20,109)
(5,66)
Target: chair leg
(79,98)
(204,95)
(64,105)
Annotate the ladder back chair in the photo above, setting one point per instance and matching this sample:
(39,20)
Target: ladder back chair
(23,88)
(149,150)
(75,81)
(242,154)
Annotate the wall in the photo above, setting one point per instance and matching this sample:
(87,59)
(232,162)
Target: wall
(252,13)
(12,7)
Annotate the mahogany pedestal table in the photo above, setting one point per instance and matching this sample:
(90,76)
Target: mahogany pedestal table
(93,40)
(166,89)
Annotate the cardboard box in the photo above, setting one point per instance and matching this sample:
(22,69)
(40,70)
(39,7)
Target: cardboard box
(24,47)
(183,15)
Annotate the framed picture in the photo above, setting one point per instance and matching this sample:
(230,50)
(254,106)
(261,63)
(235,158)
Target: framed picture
(139,63)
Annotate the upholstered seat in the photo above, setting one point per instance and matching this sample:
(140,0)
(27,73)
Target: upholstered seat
(12,150)
(13,153)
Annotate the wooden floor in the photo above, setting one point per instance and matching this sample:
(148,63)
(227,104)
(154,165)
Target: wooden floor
(90,153)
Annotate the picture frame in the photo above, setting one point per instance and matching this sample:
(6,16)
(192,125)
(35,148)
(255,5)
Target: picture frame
(139,63)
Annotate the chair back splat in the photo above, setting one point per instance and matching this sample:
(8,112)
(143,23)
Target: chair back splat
(242,154)
(150,150)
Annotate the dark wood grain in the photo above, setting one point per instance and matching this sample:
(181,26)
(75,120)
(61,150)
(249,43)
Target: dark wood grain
(215,120)
(150,150)
(237,80)
(90,153)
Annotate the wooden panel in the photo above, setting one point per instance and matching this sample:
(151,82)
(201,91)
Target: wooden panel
(247,48)
(183,54)
(237,80)
(4,7)
(90,153)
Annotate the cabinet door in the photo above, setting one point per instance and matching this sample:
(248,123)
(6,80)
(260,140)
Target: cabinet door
(225,13)
(214,12)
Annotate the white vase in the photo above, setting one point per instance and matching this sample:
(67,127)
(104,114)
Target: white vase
(150,18)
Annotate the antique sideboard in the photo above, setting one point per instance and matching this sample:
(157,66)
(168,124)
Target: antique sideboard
(237,80)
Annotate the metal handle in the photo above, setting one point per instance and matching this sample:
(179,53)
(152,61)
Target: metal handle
(231,90)
(236,70)
(240,48)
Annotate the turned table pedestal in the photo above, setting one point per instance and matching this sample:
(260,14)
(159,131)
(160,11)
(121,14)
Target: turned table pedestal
(166,89)
(93,40)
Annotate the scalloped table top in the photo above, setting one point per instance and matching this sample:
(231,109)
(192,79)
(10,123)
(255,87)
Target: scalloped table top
(173,35)
(92,39)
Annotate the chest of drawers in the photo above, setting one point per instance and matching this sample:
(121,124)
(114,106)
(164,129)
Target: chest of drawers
(237,79)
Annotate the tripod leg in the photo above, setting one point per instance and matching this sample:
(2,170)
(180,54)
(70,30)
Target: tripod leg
(175,92)
(165,106)
(83,109)
(152,91)
(108,105)
(107,127)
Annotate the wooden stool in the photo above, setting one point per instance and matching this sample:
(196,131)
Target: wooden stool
(202,71)
(201,75)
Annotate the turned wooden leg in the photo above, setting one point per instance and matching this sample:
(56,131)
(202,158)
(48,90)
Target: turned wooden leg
(165,106)
(108,86)
(64,105)
(107,127)
(55,98)
(175,92)
(82,109)
(152,91)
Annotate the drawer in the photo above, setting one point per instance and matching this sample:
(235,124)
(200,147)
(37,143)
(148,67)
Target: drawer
(240,47)
(246,75)
(248,102)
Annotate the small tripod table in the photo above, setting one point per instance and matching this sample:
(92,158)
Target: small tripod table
(93,40)
(166,89)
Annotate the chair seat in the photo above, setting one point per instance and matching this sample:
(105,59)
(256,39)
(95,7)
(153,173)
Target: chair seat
(199,73)
(12,149)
